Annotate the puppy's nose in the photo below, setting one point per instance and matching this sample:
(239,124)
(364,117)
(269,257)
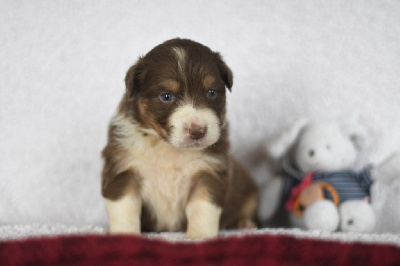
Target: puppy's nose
(197,132)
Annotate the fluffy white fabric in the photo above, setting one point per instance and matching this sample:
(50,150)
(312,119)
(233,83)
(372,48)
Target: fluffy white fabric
(36,230)
(322,215)
(62,66)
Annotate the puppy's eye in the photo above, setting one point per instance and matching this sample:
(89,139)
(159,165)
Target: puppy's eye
(212,94)
(167,97)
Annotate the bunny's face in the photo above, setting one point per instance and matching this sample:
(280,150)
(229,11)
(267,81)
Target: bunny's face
(324,147)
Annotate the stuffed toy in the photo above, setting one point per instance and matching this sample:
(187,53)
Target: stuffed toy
(319,187)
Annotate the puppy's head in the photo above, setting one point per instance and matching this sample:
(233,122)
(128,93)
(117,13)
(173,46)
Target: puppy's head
(178,91)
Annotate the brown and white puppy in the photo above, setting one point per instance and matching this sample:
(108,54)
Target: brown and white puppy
(167,164)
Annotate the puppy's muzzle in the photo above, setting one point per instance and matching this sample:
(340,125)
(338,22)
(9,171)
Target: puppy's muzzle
(197,132)
(193,128)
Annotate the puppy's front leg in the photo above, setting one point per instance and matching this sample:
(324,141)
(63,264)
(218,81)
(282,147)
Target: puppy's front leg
(203,211)
(124,214)
(124,204)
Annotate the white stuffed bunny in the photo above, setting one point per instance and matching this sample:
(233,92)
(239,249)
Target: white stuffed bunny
(319,184)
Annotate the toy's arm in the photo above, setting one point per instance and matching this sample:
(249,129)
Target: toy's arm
(270,197)
(388,170)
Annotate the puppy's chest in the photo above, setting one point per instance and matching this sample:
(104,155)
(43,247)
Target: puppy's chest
(165,190)
(166,178)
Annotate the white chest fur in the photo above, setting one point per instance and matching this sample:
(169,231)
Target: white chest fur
(166,172)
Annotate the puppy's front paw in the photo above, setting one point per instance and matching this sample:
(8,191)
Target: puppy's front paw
(201,233)
(124,215)
(203,219)
(130,229)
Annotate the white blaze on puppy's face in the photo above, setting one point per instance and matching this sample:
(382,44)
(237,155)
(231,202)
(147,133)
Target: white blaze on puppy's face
(180,55)
(194,128)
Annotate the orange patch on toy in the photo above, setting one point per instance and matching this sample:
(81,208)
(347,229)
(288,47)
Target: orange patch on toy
(311,194)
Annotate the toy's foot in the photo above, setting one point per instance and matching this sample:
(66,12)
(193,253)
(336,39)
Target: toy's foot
(322,215)
(356,216)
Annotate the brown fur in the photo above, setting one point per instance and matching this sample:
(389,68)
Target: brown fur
(226,183)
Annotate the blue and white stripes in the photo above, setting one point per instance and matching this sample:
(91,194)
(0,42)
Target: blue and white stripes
(348,184)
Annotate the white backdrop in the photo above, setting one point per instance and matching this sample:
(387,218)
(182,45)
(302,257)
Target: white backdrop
(62,65)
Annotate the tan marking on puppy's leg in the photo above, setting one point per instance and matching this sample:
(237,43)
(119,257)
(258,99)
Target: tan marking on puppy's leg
(202,215)
(248,213)
(249,208)
(124,214)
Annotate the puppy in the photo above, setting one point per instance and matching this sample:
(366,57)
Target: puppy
(166,164)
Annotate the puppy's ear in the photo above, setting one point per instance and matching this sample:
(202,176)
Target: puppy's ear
(133,79)
(225,71)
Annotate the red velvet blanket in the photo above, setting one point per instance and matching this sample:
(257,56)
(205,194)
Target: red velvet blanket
(248,250)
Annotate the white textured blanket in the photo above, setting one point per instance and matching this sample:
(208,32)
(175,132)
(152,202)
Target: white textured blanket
(36,230)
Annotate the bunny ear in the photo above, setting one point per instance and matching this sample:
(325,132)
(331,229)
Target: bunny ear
(356,132)
(279,146)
